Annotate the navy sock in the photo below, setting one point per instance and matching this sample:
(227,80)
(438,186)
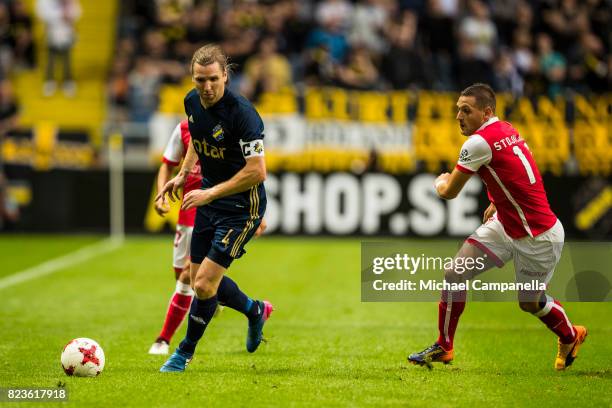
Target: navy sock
(230,295)
(200,314)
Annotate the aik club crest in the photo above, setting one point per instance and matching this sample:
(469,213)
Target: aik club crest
(217,133)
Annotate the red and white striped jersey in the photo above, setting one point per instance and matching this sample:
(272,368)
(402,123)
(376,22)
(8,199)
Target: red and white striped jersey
(176,149)
(504,163)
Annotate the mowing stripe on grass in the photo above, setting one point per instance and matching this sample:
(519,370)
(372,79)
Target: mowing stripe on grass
(62,262)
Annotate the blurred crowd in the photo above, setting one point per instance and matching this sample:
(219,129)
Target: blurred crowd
(524,47)
(16,52)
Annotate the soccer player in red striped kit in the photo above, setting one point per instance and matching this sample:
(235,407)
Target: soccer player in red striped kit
(518,225)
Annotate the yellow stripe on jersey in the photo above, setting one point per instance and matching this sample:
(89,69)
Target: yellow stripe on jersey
(254,215)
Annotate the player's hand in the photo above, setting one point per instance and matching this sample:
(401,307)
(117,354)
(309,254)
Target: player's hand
(442,178)
(197,198)
(489,212)
(262,227)
(161,207)
(172,188)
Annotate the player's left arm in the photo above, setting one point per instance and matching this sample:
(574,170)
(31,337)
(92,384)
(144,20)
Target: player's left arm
(449,185)
(253,173)
(475,152)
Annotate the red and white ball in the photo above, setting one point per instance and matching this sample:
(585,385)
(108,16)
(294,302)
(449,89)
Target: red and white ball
(83,357)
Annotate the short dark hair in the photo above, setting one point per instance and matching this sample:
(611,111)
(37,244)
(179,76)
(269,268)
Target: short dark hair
(483,93)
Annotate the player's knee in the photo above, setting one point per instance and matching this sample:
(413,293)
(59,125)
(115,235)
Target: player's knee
(529,307)
(204,289)
(450,275)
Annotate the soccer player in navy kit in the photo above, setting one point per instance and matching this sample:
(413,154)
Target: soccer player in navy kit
(227,138)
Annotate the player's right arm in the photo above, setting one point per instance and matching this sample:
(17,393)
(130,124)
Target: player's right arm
(489,212)
(173,186)
(163,175)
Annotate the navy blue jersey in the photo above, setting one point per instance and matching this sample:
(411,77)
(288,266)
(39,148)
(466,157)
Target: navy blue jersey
(223,136)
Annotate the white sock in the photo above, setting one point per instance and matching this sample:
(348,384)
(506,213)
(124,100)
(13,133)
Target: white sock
(183,288)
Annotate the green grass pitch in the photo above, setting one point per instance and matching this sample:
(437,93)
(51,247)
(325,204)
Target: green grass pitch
(324,346)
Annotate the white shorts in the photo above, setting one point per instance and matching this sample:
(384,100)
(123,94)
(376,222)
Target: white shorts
(182,242)
(534,258)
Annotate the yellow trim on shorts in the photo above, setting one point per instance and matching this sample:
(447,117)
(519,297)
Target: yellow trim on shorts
(254,215)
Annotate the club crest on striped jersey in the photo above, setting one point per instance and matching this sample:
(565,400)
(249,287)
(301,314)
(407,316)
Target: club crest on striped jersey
(217,133)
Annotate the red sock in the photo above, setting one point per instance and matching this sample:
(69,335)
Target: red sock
(554,317)
(179,306)
(449,309)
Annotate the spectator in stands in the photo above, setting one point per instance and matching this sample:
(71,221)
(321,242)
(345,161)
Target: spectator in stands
(359,72)
(144,82)
(6,41)
(9,211)
(60,17)
(507,77)
(522,55)
(440,22)
(588,69)
(331,37)
(119,89)
(600,18)
(406,64)
(526,62)
(438,28)
(290,24)
(21,22)
(524,16)
(199,29)
(172,13)
(338,11)
(292,32)
(469,68)
(564,20)
(504,14)
(319,66)
(370,18)
(155,48)
(239,32)
(552,65)
(8,108)
(478,29)
(266,71)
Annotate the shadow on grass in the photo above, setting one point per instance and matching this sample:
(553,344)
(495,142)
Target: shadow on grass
(604,373)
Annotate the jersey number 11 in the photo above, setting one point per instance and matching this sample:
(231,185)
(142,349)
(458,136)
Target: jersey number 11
(517,151)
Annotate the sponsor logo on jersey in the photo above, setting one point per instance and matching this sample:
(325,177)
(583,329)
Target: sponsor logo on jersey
(217,133)
(463,156)
(208,150)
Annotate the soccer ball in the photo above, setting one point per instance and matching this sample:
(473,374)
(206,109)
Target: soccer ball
(83,357)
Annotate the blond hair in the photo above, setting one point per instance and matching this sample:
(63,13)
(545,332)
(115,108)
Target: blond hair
(209,54)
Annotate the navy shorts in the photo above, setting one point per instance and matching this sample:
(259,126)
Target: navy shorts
(221,235)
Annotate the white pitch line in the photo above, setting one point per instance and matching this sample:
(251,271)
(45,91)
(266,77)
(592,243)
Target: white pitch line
(62,262)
